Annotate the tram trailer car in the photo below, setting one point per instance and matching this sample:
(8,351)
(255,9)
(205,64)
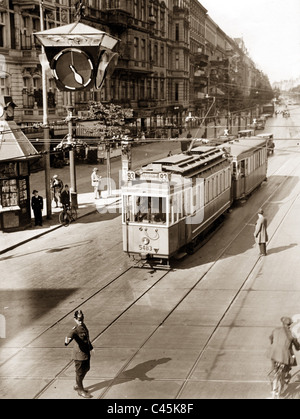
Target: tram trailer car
(249,165)
(168,204)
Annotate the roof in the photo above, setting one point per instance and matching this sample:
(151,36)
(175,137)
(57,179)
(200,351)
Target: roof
(176,159)
(244,145)
(13,142)
(200,159)
(75,34)
(265,135)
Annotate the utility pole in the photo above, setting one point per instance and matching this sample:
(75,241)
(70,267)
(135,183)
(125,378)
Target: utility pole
(70,110)
(108,168)
(46,129)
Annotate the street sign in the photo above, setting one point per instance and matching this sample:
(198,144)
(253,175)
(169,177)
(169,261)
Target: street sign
(130,175)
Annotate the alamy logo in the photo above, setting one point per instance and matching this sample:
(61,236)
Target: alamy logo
(188,198)
(2,327)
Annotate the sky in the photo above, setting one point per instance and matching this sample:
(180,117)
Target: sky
(270,29)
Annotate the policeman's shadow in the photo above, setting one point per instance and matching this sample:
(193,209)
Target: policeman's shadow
(138,372)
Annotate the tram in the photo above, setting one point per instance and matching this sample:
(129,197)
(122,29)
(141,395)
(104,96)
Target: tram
(169,204)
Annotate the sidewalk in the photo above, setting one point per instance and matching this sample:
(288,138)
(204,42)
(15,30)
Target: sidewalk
(85,197)
(86,205)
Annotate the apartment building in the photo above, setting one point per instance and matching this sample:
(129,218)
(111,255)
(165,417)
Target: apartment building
(171,54)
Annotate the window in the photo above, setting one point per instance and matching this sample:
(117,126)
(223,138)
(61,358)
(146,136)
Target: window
(142,89)
(162,89)
(176,92)
(187,194)
(155,54)
(143,10)
(177,32)
(162,56)
(143,50)
(132,90)
(146,209)
(136,48)
(155,88)
(2,85)
(149,89)
(2,29)
(177,61)
(135,11)
(162,21)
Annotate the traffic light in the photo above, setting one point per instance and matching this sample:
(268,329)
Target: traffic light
(106,65)
(80,57)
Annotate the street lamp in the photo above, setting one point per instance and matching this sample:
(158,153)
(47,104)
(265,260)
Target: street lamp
(45,65)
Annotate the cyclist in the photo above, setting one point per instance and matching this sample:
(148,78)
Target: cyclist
(65,198)
(281,352)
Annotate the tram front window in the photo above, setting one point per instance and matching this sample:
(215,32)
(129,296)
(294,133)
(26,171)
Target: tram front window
(150,209)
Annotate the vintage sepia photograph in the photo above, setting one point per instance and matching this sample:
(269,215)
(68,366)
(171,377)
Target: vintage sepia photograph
(149,202)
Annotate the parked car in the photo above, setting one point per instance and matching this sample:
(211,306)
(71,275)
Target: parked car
(246,133)
(260,123)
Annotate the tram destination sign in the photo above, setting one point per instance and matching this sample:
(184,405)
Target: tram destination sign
(161,176)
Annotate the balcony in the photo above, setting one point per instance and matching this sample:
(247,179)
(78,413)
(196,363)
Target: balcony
(180,10)
(32,4)
(147,103)
(200,81)
(118,18)
(200,59)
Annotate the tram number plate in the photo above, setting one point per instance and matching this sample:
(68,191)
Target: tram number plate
(130,175)
(145,248)
(163,176)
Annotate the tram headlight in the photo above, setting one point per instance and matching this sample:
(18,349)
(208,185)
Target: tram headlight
(145,241)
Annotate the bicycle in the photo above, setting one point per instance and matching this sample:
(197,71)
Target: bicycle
(279,377)
(67,215)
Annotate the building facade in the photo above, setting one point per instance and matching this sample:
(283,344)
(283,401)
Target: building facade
(171,55)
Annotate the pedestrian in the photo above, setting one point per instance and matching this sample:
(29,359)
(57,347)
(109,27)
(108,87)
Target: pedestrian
(56,186)
(65,197)
(260,233)
(37,205)
(95,179)
(281,351)
(81,353)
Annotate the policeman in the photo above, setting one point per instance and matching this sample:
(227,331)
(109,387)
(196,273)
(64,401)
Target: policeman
(37,206)
(81,351)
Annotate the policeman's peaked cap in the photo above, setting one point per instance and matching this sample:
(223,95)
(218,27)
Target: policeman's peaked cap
(78,315)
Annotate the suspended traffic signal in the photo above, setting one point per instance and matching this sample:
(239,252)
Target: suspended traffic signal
(80,57)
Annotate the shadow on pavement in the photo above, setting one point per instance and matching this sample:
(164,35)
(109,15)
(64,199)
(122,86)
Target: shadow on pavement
(47,250)
(138,372)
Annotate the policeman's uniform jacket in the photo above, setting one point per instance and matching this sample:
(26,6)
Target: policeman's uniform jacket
(37,203)
(82,344)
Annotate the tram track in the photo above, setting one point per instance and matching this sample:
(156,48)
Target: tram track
(183,297)
(162,275)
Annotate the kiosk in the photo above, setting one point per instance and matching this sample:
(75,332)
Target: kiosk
(16,152)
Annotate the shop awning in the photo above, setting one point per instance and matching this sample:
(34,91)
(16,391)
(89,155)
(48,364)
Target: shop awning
(215,91)
(14,144)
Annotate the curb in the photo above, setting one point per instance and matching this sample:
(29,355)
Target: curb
(50,230)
